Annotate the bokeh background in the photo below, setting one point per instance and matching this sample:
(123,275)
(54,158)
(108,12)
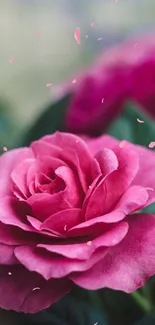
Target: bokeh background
(37,37)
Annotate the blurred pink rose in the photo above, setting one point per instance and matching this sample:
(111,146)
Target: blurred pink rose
(124,72)
(68,214)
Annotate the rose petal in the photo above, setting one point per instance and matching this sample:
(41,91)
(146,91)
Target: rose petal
(9,161)
(108,163)
(105,193)
(7,255)
(107,160)
(74,152)
(19,176)
(35,223)
(135,197)
(59,220)
(43,165)
(44,263)
(11,235)
(11,213)
(43,205)
(128,265)
(72,186)
(104,141)
(146,172)
(84,251)
(16,290)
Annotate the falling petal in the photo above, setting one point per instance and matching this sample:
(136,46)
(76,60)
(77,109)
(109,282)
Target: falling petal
(9,273)
(147,189)
(48,85)
(89,243)
(99,39)
(102,100)
(86,36)
(74,81)
(152,144)
(65,227)
(92,24)
(122,144)
(140,121)
(37,32)
(11,60)
(34,289)
(77,35)
(5,148)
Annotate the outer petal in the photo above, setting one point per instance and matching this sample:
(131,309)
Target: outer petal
(13,236)
(110,189)
(146,171)
(107,160)
(83,251)
(19,176)
(14,213)
(9,161)
(133,199)
(54,266)
(104,141)
(7,255)
(28,292)
(129,264)
(146,174)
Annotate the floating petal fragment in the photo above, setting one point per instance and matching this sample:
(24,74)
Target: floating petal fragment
(11,60)
(89,243)
(77,35)
(152,144)
(140,121)
(122,144)
(48,85)
(34,289)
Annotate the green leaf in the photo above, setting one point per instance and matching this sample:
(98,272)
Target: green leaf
(148,320)
(51,120)
(120,306)
(126,127)
(68,311)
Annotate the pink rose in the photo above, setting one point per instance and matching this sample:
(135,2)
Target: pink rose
(68,214)
(124,72)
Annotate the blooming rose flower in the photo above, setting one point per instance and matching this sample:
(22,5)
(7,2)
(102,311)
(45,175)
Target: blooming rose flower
(68,214)
(127,71)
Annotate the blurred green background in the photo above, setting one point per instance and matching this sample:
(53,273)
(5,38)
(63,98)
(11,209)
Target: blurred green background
(38,37)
